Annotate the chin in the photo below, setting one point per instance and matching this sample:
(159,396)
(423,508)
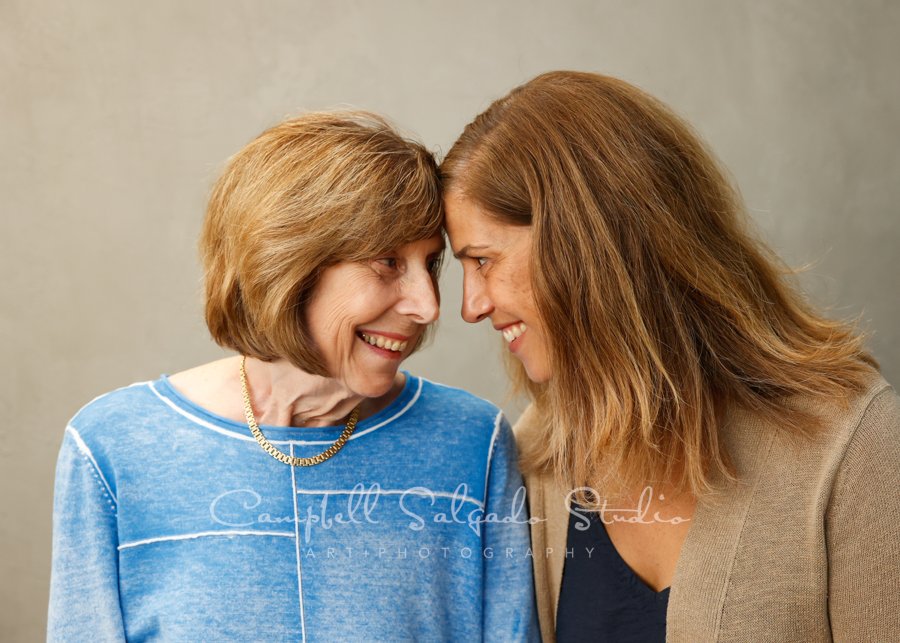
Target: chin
(537,373)
(375,386)
(539,378)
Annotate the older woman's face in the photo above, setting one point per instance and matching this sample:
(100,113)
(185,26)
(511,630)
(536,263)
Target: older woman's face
(496,261)
(365,318)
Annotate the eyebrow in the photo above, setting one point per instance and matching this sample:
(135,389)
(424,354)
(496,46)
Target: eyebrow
(464,252)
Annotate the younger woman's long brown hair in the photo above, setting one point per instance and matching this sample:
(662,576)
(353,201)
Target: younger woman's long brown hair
(661,309)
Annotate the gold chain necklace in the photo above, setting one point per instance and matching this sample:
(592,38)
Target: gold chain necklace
(284,457)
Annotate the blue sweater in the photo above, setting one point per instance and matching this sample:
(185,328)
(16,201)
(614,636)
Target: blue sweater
(171,523)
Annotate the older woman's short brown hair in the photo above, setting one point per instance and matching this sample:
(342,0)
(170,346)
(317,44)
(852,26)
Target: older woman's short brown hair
(306,194)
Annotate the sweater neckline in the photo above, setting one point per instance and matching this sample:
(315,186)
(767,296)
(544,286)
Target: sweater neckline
(304,435)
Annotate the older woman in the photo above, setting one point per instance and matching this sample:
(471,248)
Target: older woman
(730,459)
(307,488)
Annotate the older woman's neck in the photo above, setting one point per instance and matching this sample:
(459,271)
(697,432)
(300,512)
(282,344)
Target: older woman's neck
(283,395)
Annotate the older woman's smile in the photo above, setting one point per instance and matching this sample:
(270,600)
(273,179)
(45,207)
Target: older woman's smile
(391,343)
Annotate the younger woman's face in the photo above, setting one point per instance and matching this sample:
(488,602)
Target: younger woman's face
(496,261)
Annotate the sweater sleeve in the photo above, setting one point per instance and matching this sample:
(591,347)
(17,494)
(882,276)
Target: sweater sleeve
(509,610)
(863,529)
(84,581)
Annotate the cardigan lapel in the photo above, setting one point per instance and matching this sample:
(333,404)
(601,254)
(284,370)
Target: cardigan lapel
(703,572)
(551,551)
(549,511)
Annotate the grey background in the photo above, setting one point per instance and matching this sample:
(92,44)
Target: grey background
(116,117)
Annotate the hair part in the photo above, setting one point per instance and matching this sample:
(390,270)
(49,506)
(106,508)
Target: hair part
(665,310)
(306,194)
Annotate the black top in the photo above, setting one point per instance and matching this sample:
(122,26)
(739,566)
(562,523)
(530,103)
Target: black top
(601,598)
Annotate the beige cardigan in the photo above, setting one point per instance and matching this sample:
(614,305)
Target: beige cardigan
(805,548)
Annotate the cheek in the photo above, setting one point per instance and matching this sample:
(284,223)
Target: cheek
(331,325)
(510,290)
(525,292)
(339,303)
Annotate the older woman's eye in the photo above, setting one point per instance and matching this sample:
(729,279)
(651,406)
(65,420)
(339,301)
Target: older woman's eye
(388,262)
(480,261)
(434,265)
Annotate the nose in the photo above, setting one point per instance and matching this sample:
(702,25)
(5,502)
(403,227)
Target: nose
(476,305)
(420,299)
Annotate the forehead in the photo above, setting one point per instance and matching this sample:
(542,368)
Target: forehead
(469,224)
(465,218)
(429,245)
(434,243)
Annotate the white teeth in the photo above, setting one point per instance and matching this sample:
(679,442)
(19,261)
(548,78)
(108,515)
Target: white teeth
(510,333)
(384,342)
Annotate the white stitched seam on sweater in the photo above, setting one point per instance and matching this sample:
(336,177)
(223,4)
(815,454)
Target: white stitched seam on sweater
(102,395)
(203,534)
(452,388)
(297,549)
(98,474)
(415,491)
(487,474)
(358,434)
(207,425)
(249,438)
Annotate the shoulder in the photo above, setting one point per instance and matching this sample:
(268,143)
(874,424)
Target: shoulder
(530,427)
(107,416)
(872,413)
(126,401)
(876,407)
(871,439)
(108,424)
(456,402)
(861,517)
(865,445)
(863,505)
(838,421)
(460,416)
(853,455)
